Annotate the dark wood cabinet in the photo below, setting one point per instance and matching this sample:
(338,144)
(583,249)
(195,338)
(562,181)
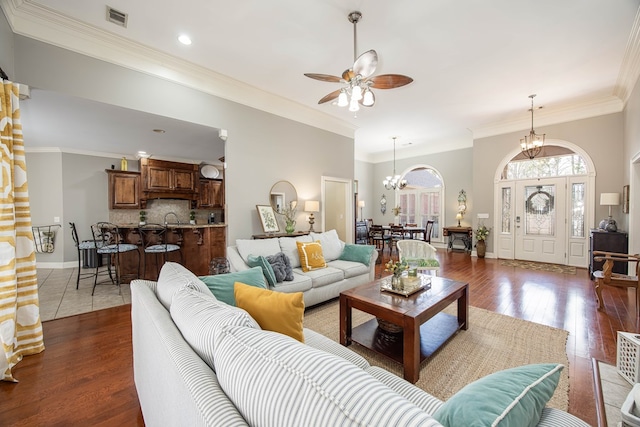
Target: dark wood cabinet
(211,193)
(124,189)
(362,234)
(169,179)
(600,240)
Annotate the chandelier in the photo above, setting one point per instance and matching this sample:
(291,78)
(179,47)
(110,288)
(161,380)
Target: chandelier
(394,182)
(532,144)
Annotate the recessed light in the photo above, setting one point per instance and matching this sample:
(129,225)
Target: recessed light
(184,39)
(159,130)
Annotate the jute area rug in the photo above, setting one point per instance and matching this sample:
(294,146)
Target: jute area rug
(539,266)
(493,342)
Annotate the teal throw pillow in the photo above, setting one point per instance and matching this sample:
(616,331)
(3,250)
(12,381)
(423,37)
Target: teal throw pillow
(357,253)
(221,285)
(513,397)
(267,270)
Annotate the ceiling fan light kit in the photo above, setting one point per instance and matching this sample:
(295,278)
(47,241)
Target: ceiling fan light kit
(358,79)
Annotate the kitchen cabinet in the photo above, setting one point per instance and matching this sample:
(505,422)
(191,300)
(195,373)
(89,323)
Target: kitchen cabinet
(124,189)
(600,240)
(211,194)
(168,177)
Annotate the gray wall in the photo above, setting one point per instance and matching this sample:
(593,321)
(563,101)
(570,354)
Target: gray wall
(6,47)
(631,151)
(455,168)
(261,148)
(364,173)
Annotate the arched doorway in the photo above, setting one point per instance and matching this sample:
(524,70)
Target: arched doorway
(544,206)
(421,200)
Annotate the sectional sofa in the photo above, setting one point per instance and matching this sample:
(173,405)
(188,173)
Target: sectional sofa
(199,362)
(342,272)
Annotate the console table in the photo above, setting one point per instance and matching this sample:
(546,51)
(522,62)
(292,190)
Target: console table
(463,234)
(272,235)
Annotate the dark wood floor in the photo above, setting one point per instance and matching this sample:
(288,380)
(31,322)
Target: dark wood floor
(85,376)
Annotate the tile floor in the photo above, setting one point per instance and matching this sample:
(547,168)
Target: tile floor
(614,390)
(59,297)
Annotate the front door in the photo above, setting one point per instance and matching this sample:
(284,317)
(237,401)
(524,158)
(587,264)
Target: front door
(540,220)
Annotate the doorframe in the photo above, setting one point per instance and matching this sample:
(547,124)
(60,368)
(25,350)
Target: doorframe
(590,196)
(348,214)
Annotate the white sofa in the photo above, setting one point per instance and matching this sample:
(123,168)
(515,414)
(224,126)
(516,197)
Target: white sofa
(318,285)
(319,383)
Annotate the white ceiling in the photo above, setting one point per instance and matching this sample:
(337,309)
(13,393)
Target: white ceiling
(474,62)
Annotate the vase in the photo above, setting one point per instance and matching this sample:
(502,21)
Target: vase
(481,248)
(396,282)
(290,227)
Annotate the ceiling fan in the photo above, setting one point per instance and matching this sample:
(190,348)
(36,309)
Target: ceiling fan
(358,79)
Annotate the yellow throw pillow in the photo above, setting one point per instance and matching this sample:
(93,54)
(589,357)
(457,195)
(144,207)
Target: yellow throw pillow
(311,257)
(274,311)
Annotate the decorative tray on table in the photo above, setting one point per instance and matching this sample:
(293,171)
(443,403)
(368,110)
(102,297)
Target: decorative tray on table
(407,287)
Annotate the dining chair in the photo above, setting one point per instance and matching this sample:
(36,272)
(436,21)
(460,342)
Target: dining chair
(428,229)
(397,234)
(606,276)
(112,243)
(154,242)
(83,247)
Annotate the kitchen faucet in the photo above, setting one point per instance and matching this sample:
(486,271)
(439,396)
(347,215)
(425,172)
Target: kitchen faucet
(171,213)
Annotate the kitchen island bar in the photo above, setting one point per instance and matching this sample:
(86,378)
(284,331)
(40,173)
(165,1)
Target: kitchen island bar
(199,244)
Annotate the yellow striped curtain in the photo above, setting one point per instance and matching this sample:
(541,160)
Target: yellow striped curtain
(20,327)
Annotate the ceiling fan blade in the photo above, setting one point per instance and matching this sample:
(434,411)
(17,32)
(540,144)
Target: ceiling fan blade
(324,77)
(366,63)
(389,81)
(330,97)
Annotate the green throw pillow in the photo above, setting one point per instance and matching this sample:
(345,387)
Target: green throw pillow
(221,285)
(267,270)
(421,262)
(513,397)
(357,253)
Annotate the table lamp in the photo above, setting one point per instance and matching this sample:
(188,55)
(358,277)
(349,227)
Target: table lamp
(311,206)
(609,199)
(361,205)
(459,217)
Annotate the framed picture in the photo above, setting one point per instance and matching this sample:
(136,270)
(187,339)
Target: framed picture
(625,199)
(268,219)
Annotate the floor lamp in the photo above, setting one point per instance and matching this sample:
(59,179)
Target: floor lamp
(361,206)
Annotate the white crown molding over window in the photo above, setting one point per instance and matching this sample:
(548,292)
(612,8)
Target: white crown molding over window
(35,21)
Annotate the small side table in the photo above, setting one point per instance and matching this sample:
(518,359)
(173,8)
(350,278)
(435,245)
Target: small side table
(464,234)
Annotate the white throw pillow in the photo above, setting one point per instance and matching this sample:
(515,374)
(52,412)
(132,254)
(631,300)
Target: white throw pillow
(198,315)
(290,248)
(331,244)
(275,380)
(172,277)
(257,247)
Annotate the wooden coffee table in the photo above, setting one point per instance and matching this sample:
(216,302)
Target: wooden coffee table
(425,327)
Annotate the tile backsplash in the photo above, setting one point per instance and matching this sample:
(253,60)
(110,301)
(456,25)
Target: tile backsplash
(158,208)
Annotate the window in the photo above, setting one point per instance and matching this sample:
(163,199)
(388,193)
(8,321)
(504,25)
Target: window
(545,167)
(421,200)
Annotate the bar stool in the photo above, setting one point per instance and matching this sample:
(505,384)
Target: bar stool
(112,243)
(154,241)
(85,245)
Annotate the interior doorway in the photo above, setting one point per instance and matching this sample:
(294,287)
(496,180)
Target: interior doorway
(337,207)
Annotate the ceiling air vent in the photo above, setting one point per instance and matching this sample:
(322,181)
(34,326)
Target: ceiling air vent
(117,17)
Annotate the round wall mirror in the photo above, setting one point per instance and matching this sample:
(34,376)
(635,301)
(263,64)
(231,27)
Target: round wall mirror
(283,195)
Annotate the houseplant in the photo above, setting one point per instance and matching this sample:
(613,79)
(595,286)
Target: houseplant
(192,217)
(143,217)
(289,218)
(481,236)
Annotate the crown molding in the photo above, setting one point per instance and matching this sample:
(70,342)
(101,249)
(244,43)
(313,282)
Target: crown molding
(630,68)
(609,105)
(129,156)
(32,20)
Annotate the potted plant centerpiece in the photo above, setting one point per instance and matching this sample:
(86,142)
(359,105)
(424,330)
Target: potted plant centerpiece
(192,217)
(481,236)
(143,217)
(289,214)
